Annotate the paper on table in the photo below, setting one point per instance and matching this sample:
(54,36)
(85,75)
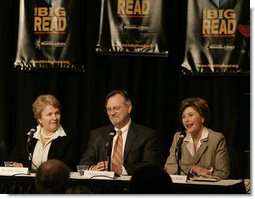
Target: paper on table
(10,171)
(205,178)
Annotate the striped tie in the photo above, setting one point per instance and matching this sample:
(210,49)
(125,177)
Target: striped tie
(117,152)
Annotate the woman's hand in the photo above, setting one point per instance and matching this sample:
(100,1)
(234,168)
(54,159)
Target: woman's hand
(198,170)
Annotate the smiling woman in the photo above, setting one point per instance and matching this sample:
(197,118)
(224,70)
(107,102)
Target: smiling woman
(203,151)
(47,113)
(50,141)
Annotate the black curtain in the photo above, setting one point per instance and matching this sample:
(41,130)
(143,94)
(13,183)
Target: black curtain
(154,83)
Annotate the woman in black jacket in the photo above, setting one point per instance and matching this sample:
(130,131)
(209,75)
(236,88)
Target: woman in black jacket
(49,140)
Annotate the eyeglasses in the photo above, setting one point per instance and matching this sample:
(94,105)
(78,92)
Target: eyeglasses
(115,109)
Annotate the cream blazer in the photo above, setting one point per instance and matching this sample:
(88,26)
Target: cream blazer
(212,152)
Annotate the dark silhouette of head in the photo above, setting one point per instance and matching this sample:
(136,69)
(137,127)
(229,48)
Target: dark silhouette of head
(52,177)
(78,189)
(150,180)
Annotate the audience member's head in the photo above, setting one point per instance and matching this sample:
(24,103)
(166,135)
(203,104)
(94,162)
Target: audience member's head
(79,189)
(150,180)
(52,177)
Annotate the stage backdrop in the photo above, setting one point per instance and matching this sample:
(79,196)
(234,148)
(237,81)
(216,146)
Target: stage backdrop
(131,27)
(218,37)
(48,36)
(153,82)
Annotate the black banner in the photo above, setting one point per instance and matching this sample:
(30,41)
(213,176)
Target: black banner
(218,37)
(48,36)
(131,27)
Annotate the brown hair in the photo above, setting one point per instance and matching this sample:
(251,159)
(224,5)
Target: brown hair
(42,101)
(199,104)
(123,93)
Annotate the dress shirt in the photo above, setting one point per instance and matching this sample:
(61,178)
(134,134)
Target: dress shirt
(41,151)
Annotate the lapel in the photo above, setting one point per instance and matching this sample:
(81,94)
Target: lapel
(201,150)
(131,136)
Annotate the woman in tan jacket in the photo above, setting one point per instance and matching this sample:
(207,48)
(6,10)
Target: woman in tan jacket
(203,151)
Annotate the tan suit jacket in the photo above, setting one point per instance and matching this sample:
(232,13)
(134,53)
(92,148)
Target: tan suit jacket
(212,153)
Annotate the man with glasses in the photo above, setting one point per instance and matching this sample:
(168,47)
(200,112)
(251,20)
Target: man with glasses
(133,146)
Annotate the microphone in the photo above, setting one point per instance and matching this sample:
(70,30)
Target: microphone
(182,136)
(108,146)
(31,134)
(179,152)
(29,138)
(110,137)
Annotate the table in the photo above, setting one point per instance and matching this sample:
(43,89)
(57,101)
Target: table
(24,184)
(221,187)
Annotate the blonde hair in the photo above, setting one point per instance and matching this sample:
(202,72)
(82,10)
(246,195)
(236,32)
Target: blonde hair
(41,102)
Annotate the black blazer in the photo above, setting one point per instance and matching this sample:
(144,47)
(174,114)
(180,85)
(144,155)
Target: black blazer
(62,148)
(141,147)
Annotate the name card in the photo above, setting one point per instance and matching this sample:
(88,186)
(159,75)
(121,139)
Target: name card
(11,171)
(179,178)
(99,174)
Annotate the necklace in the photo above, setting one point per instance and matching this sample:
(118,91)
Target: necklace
(46,136)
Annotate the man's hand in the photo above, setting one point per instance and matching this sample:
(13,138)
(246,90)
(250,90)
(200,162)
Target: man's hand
(17,164)
(100,166)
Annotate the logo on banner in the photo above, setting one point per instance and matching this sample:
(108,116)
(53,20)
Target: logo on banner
(220,22)
(136,8)
(223,3)
(47,1)
(50,20)
(219,3)
(48,44)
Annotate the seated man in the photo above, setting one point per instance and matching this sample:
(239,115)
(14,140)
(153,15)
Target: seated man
(134,145)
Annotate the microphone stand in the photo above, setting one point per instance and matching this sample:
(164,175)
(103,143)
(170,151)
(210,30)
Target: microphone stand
(109,154)
(29,155)
(29,150)
(179,155)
